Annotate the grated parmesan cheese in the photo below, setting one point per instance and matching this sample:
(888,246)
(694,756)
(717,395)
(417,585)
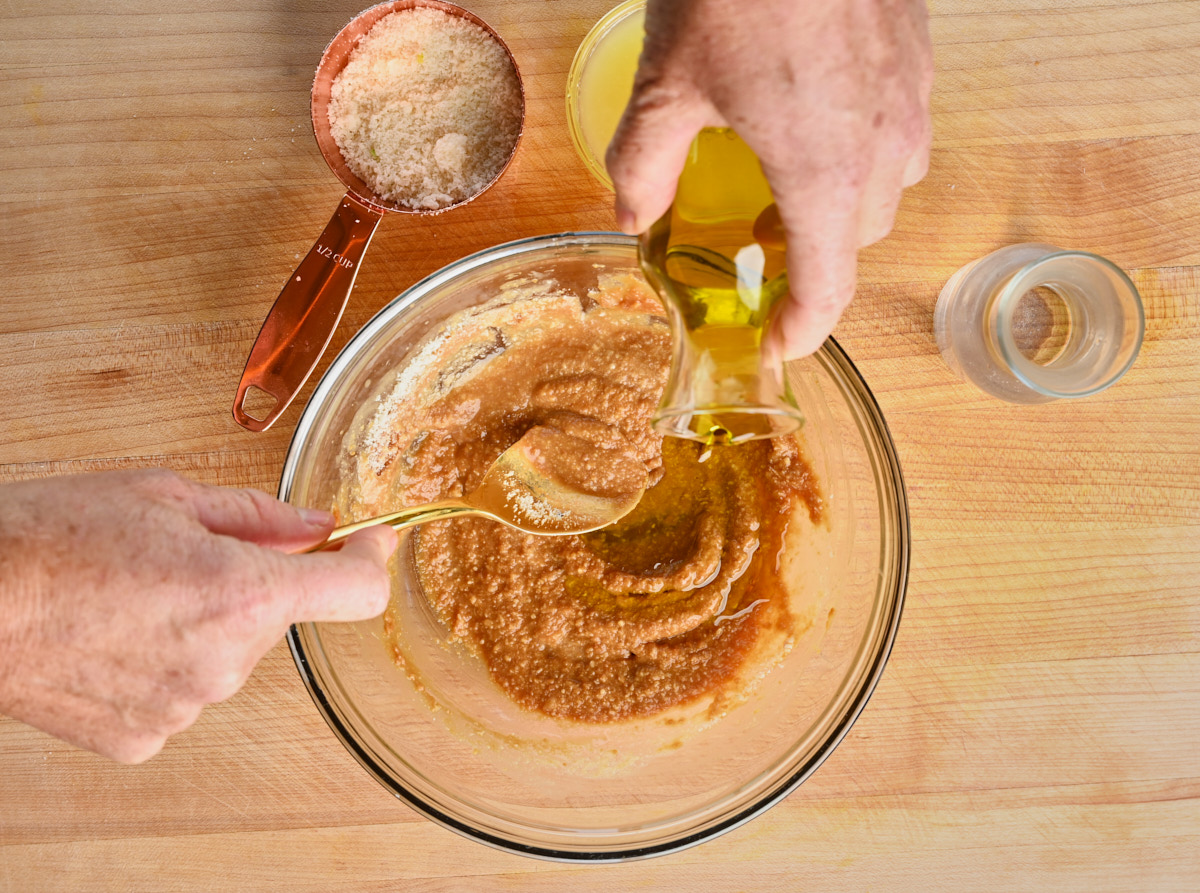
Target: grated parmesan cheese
(427,110)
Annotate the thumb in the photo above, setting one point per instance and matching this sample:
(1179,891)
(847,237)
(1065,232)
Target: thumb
(255,517)
(648,151)
(350,584)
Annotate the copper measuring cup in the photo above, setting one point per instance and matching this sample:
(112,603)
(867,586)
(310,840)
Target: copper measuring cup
(302,321)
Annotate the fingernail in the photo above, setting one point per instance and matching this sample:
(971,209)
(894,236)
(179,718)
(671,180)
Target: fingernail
(316,517)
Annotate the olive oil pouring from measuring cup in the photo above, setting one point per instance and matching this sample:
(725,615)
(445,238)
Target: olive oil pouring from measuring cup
(717,260)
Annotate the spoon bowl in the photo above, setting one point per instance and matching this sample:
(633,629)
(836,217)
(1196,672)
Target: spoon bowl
(550,482)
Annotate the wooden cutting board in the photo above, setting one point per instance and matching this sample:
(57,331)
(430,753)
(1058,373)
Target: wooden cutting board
(1038,726)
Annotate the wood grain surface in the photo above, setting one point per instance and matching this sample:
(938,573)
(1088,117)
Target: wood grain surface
(1038,726)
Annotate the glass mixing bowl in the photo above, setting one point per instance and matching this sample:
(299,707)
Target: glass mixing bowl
(455,748)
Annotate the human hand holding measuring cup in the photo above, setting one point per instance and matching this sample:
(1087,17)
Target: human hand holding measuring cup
(832,96)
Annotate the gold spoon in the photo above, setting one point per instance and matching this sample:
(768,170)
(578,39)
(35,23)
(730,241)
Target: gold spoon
(549,482)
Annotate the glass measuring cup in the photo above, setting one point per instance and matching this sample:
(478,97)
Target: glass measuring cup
(1032,323)
(300,324)
(717,259)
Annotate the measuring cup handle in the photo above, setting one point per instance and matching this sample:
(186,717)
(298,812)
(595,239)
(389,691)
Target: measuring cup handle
(300,324)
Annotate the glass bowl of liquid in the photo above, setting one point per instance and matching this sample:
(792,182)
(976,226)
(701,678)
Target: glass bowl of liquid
(427,719)
(600,82)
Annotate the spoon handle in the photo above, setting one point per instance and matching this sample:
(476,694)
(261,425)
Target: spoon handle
(421,514)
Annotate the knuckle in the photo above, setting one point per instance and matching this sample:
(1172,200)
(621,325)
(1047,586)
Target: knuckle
(855,171)
(838,179)
(831,303)
(916,169)
(879,217)
(243,621)
(837,297)
(162,491)
(656,93)
(246,584)
(260,506)
(164,482)
(136,747)
(373,578)
(875,231)
(180,716)
(825,305)
(223,684)
(217,679)
(913,127)
(253,508)
(906,131)
(378,590)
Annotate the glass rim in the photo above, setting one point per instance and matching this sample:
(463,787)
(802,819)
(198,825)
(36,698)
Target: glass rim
(357,344)
(1028,372)
(583,55)
(871,657)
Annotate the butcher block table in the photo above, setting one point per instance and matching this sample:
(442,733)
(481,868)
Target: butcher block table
(1038,725)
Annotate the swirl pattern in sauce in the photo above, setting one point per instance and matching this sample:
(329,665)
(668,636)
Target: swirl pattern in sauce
(656,611)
